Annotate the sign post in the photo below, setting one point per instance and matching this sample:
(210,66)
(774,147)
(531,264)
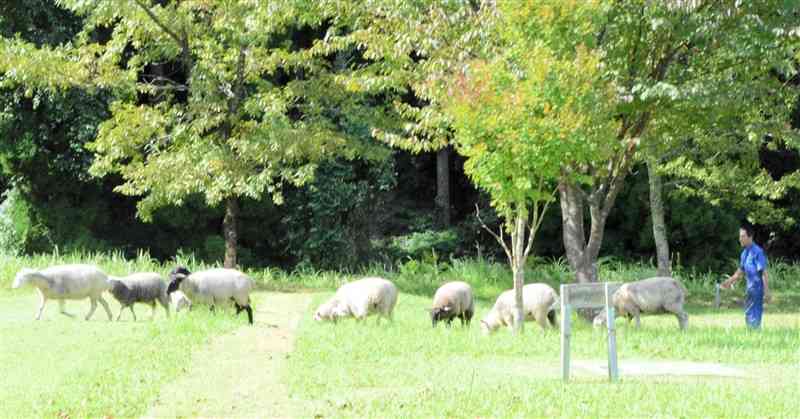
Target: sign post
(595,295)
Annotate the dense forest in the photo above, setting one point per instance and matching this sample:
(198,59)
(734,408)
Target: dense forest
(358,197)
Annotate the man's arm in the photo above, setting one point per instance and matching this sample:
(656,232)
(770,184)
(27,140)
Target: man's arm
(733,278)
(767,294)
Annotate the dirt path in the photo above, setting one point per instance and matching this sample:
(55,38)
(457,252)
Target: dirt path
(238,374)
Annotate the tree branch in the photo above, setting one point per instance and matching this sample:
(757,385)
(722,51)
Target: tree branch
(183,42)
(498,238)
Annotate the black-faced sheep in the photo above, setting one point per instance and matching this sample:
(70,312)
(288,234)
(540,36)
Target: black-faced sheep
(451,300)
(213,287)
(67,282)
(652,295)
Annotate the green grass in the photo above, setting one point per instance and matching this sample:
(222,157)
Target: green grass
(62,366)
(408,369)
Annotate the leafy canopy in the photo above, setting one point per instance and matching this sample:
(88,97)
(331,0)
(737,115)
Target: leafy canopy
(542,100)
(223,99)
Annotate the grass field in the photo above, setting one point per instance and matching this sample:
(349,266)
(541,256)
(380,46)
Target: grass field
(64,367)
(409,370)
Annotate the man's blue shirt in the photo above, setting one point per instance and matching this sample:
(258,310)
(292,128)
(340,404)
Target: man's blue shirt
(753,262)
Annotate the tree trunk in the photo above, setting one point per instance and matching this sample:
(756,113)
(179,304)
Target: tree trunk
(574,235)
(518,268)
(657,214)
(443,185)
(230,229)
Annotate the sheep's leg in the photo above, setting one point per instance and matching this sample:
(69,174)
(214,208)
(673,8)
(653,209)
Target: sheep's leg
(105,306)
(551,317)
(541,318)
(153,307)
(509,321)
(636,317)
(41,306)
(133,312)
(165,304)
(121,309)
(92,309)
(63,310)
(249,313)
(468,317)
(683,317)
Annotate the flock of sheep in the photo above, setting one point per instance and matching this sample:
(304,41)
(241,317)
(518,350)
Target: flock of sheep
(378,296)
(76,282)
(357,299)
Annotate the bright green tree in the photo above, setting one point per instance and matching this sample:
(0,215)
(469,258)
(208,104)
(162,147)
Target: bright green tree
(701,71)
(222,99)
(520,114)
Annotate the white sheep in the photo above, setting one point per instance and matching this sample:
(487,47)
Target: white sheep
(661,294)
(539,303)
(213,287)
(66,282)
(142,287)
(360,299)
(451,300)
(180,301)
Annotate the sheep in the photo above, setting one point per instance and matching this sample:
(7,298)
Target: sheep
(214,286)
(453,299)
(180,301)
(539,303)
(143,287)
(66,282)
(360,299)
(652,295)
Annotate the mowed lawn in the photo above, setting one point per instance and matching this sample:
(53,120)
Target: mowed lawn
(68,367)
(408,369)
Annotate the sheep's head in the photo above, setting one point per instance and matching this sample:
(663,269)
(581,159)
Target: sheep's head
(441,313)
(600,319)
(332,310)
(115,285)
(490,323)
(22,277)
(176,276)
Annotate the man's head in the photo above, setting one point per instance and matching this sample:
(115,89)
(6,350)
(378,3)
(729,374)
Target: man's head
(746,235)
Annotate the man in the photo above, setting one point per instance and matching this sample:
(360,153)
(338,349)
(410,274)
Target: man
(753,266)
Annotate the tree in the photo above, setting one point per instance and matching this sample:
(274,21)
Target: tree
(695,68)
(221,99)
(519,114)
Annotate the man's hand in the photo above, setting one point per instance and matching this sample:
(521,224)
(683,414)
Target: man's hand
(767,296)
(726,284)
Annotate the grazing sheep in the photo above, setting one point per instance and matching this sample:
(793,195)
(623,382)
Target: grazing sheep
(214,286)
(660,294)
(453,299)
(180,301)
(359,299)
(144,287)
(66,282)
(539,303)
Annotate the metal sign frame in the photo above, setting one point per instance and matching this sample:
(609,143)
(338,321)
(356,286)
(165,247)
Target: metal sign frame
(595,295)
